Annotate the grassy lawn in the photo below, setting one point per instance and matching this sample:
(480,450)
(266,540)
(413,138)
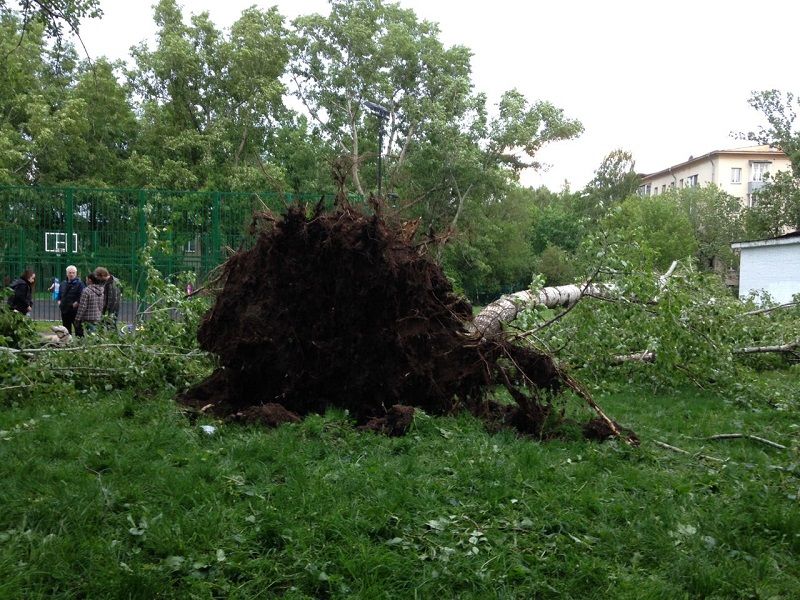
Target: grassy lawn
(120,496)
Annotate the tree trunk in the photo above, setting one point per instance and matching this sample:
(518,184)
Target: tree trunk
(489,322)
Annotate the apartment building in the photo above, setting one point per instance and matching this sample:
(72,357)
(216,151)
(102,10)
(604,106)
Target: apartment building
(739,172)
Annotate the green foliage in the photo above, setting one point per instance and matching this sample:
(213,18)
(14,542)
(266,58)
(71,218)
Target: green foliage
(777,205)
(557,267)
(716,220)
(693,324)
(654,223)
(557,222)
(208,103)
(614,180)
(492,253)
(16,330)
(52,17)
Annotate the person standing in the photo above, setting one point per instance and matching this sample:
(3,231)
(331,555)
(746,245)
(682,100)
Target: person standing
(22,300)
(90,307)
(54,288)
(111,295)
(69,294)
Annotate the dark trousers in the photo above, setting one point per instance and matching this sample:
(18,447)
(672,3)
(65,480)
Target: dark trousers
(68,319)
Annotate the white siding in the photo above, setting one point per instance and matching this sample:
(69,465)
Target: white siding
(774,269)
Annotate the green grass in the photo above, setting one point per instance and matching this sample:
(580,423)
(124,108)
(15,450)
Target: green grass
(120,496)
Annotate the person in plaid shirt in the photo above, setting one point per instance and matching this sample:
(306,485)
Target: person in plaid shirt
(90,307)
(111,296)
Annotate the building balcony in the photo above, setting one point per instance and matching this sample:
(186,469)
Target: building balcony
(754,186)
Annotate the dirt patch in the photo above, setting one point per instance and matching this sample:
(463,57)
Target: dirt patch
(342,309)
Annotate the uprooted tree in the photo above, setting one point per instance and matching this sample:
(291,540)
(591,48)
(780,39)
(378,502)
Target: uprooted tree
(347,309)
(344,309)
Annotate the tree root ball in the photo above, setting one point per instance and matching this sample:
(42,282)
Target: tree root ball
(340,309)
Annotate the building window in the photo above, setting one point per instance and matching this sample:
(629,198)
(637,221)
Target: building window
(191,246)
(736,175)
(663,188)
(691,181)
(647,190)
(758,170)
(752,200)
(680,183)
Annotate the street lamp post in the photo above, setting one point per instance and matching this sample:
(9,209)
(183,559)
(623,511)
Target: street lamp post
(382,113)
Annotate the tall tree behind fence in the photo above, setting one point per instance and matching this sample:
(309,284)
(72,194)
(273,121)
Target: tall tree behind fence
(46,229)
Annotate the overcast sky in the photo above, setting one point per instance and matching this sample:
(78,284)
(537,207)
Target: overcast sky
(663,80)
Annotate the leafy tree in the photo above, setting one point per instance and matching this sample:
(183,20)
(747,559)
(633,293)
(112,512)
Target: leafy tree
(777,207)
(614,180)
(658,225)
(691,327)
(52,15)
(492,255)
(42,120)
(559,224)
(207,102)
(778,203)
(557,266)
(442,148)
(716,221)
(777,107)
(379,52)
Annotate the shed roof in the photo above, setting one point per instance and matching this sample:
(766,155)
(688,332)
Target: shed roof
(793,237)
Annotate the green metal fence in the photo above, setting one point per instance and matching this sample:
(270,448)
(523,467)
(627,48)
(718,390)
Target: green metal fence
(46,229)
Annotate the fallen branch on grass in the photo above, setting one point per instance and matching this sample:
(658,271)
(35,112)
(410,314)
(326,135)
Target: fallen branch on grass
(747,436)
(646,356)
(687,453)
(90,347)
(650,357)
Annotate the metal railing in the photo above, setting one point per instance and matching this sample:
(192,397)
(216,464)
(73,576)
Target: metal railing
(47,229)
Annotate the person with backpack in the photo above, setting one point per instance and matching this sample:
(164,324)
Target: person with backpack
(22,299)
(69,295)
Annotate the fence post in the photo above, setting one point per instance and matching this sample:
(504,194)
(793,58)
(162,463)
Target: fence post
(216,234)
(21,243)
(69,215)
(141,280)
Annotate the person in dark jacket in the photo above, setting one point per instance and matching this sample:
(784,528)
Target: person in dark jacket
(111,296)
(69,295)
(22,300)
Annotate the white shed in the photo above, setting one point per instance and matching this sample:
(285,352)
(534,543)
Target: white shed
(771,265)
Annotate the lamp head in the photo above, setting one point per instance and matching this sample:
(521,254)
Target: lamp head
(381,111)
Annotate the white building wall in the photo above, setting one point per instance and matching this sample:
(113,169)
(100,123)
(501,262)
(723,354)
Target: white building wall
(716,167)
(705,172)
(774,269)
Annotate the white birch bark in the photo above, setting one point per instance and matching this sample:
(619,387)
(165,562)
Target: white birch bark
(489,322)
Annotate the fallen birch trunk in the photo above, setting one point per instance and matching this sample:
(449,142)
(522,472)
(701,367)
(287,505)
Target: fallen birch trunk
(788,348)
(489,322)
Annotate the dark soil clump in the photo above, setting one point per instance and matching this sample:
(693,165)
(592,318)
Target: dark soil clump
(340,309)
